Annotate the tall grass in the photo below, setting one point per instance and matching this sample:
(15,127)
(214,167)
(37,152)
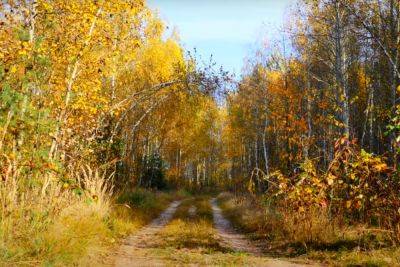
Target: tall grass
(143,205)
(266,221)
(49,222)
(68,218)
(313,234)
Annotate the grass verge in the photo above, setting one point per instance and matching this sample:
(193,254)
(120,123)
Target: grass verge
(75,231)
(315,238)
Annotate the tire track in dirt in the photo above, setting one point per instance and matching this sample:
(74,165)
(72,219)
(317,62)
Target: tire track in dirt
(230,238)
(128,254)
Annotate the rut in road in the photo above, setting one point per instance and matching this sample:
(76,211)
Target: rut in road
(126,256)
(232,239)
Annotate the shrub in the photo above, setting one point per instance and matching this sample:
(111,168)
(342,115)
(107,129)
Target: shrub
(363,188)
(357,186)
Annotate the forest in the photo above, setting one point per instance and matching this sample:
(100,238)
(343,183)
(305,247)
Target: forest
(106,121)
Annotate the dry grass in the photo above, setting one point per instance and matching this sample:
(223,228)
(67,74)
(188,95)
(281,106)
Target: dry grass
(265,221)
(192,231)
(141,205)
(244,213)
(53,223)
(311,235)
(313,227)
(46,223)
(181,234)
(192,240)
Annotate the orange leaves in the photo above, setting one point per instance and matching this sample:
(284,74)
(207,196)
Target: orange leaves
(273,96)
(302,192)
(359,181)
(381,167)
(353,187)
(356,182)
(323,104)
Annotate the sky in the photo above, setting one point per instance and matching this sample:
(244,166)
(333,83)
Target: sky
(226,29)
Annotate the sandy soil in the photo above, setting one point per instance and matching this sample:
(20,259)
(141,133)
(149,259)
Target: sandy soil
(129,253)
(140,249)
(232,239)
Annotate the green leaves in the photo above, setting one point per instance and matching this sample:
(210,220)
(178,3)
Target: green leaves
(9,98)
(23,35)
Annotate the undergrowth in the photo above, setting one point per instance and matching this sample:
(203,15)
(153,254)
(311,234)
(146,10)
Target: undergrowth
(316,237)
(57,226)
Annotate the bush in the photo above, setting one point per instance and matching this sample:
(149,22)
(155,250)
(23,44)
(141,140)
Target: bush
(363,188)
(358,187)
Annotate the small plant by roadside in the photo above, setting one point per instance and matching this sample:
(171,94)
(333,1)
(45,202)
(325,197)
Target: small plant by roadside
(354,205)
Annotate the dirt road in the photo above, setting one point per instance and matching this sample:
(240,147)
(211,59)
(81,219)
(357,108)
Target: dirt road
(193,232)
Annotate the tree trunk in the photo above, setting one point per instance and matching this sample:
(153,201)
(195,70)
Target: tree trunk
(340,68)
(265,147)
